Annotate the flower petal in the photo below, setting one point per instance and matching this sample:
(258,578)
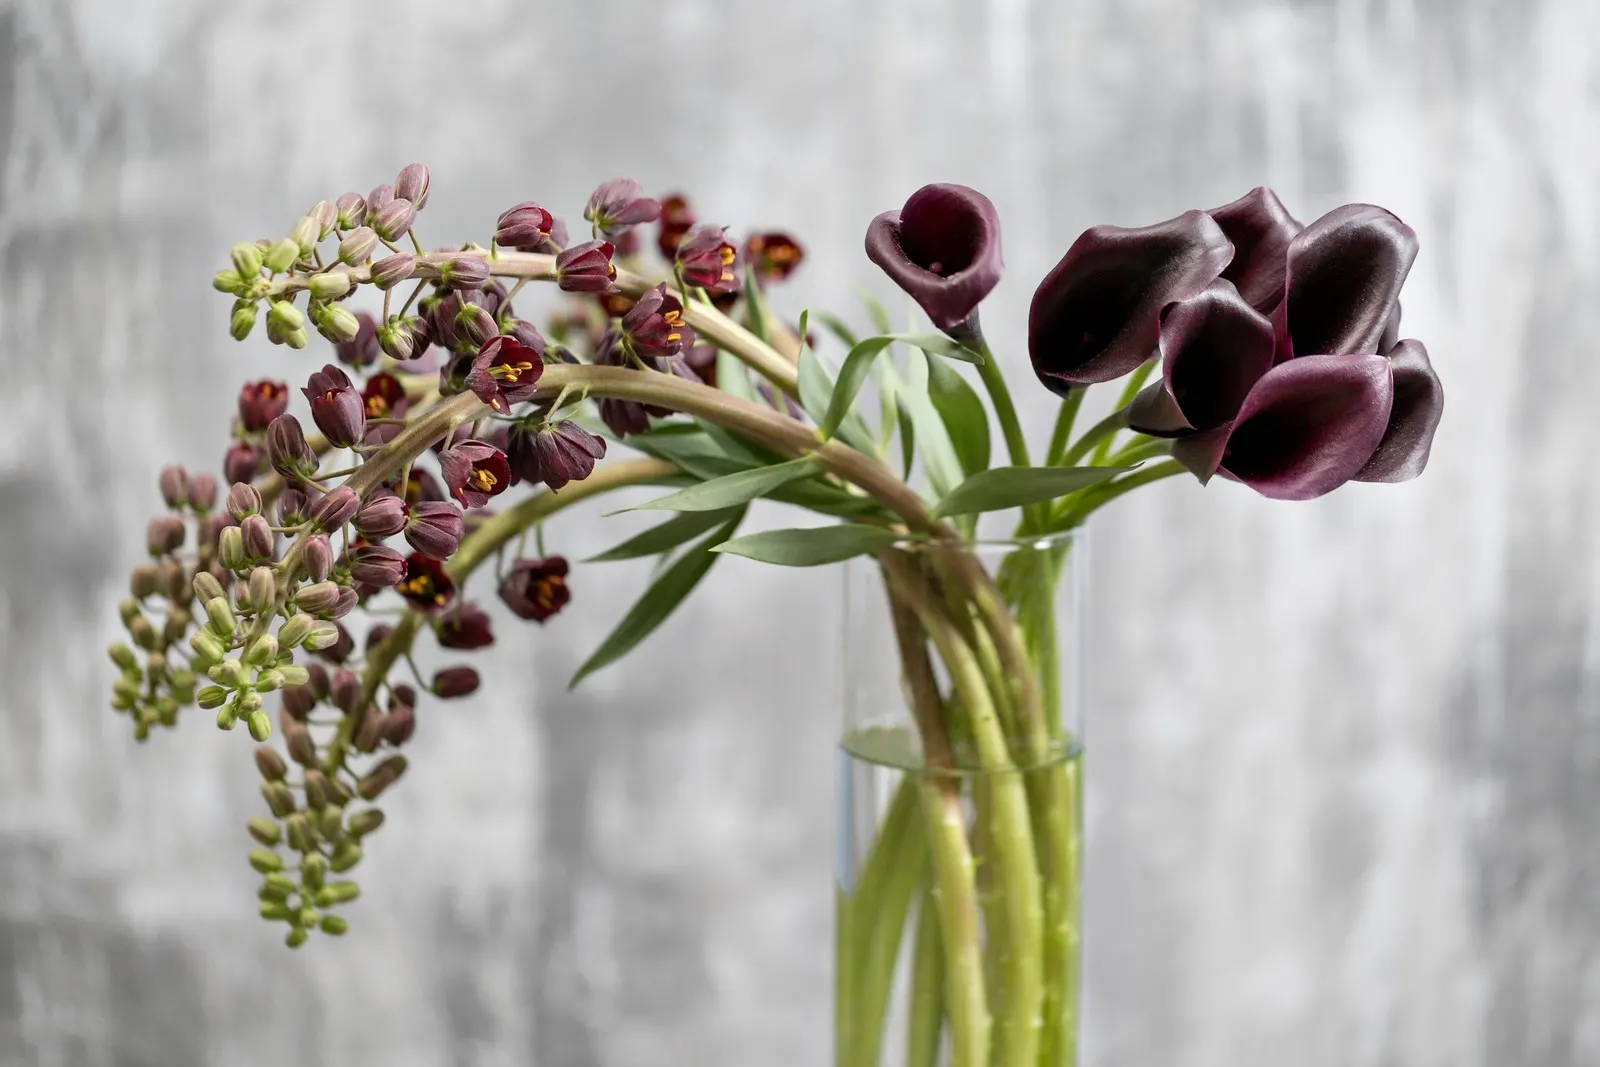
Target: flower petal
(1154,412)
(1310,425)
(1345,274)
(1096,315)
(943,248)
(1418,407)
(1214,348)
(1260,228)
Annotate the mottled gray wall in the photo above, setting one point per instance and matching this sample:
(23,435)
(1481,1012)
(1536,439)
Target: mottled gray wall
(1346,755)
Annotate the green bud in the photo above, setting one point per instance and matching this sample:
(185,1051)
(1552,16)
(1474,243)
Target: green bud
(293,631)
(274,332)
(122,702)
(156,663)
(262,651)
(128,691)
(296,338)
(276,911)
(227,717)
(167,710)
(296,937)
(265,861)
(123,657)
(316,790)
(301,838)
(323,635)
(268,681)
(336,893)
(228,281)
(263,588)
(242,319)
(345,856)
(286,315)
(143,634)
(293,674)
(327,215)
(278,886)
(212,696)
(206,587)
(334,925)
(219,615)
(313,869)
(329,285)
(282,255)
(247,259)
(128,609)
(260,724)
(279,798)
(305,234)
(249,702)
(267,831)
(363,823)
(230,548)
(381,777)
(330,824)
(231,673)
(181,678)
(357,245)
(336,323)
(141,731)
(207,648)
(272,768)
(307,918)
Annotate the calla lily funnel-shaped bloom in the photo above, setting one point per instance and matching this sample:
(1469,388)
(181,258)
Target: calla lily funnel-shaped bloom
(1097,314)
(1260,229)
(1344,274)
(1418,407)
(1214,348)
(943,248)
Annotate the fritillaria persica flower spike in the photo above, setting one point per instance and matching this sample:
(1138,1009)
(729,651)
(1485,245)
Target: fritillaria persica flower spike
(586,268)
(618,206)
(1214,348)
(474,471)
(505,372)
(554,455)
(706,259)
(536,588)
(943,248)
(339,410)
(1344,273)
(261,402)
(1096,315)
(425,583)
(524,227)
(1260,228)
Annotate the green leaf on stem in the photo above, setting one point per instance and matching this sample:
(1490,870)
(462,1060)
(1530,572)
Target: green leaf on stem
(810,547)
(940,345)
(669,535)
(839,328)
(658,602)
(733,378)
(817,389)
(964,415)
(1010,487)
(933,440)
(876,312)
(730,490)
(852,376)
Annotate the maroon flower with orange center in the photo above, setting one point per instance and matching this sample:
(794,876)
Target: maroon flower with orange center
(536,588)
(677,219)
(261,402)
(655,326)
(465,626)
(474,471)
(773,255)
(339,411)
(505,372)
(706,259)
(425,584)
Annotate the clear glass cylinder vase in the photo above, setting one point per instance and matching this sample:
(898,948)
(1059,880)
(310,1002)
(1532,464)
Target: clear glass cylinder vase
(960,806)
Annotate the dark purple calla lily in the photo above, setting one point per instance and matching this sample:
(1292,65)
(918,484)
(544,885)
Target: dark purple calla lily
(1308,426)
(1344,273)
(1214,348)
(943,248)
(1260,229)
(1097,314)
(1418,407)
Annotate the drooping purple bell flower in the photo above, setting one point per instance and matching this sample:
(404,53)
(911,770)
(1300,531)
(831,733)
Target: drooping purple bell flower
(1343,279)
(554,455)
(774,256)
(706,258)
(618,206)
(242,461)
(536,589)
(287,449)
(524,227)
(474,471)
(654,325)
(505,372)
(425,584)
(943,248)
(337,408)
(1260,229)
(1097,314)
(465,626)
(435,528)
(260,402)
(377,565)
(586,268)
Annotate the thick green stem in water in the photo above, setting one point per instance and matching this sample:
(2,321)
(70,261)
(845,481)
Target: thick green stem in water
(927,986)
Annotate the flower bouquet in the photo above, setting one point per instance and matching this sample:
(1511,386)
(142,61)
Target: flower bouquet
(1251,347)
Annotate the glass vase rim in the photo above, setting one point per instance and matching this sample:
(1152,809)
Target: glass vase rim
(985,545)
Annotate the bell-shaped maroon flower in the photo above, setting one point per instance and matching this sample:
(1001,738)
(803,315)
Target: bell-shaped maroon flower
(505,372)
(339,411)
(536,588)
(654,325)
(524,227)
(363,349)
(435,528)
(774,256)
(1418,407)
(1344,273)
(586,268)
(382,517)
(1308,426)
(677,219)
(1097,314)
(242,461)
(618,206)
(425,584)
(554,455)
(1214,348)
(287,449)
(260,402)
(377,565)
(943,248)
(706,259)
(383,397)
(1260,229)
(452,682)
(474,471)
(334,508)
(465,626)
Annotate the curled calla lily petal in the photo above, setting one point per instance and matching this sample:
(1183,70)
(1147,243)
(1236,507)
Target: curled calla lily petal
(1097,314)
(1214,348)
(1391,331)
(1344,276)
(1260,228)
(1310,425)
(943,248)
(1418,407)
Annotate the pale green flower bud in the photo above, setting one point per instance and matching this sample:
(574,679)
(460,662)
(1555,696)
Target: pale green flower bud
(263,588)
(335,322)
(277,886)
(276,911)
(296,937)
(227,717)
(313,869)
(304,234)
(230,548)
(247,259)
(329,285)
(281,256)
(212,696)
(262,651)
(123,657)
(286,315)
(142,633)
(323,635)
(279,798)
(296,338)
(269,681)
(345,856)
(230,673)
(293,631)
(330,824)
(206,587)
(265,861)
(336,893)
(227,280)
(301,837)
(272,769)
(259,723)
(126,690)
(220,617)
(357,245)
(207,648)
(365,822)
(266,831)
(334,925)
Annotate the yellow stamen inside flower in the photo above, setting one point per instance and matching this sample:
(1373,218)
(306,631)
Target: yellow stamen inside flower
(483,480)
(673,318)
(726,252)
(377,407)
(510,372)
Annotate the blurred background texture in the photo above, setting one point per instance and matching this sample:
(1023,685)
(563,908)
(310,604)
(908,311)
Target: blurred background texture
(1344,755)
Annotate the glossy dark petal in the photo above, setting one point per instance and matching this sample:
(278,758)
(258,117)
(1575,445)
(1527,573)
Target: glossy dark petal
(1201,453)
(1391,331)
(1097,314)
(1154,412)
(1214,348)
(1418,407)
(1260,228)
(1345,274)
(943,248)
(1310,425)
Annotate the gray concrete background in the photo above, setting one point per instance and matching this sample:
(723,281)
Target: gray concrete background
(1345,778)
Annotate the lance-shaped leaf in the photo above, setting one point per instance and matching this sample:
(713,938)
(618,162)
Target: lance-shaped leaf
(731,490)
(817,391)
(1010,487)
(1418,407)
(659,601)
(965,418)
(933,442)
(810,547)
(665,537)
(1345,271)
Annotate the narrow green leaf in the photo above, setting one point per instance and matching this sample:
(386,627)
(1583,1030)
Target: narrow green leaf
(839,328)
(668,535)
(755,308)
(876,311)
(658,602)
(740,487)
(852,375)
(964,415)
(939,345)
(933,440)
(733,378)
(1009,487)
(810,547)
(816,394)
(694,453)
